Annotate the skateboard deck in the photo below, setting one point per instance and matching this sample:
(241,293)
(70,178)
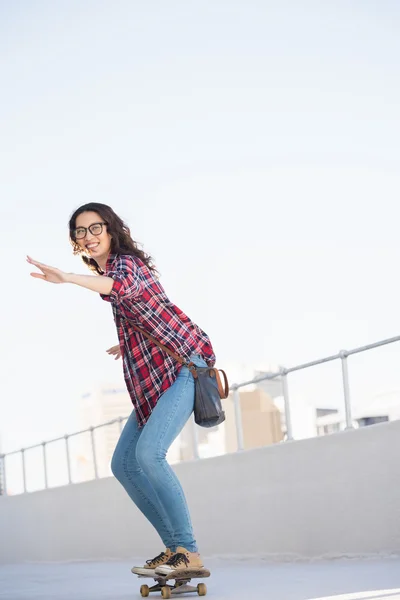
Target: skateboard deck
(181,585)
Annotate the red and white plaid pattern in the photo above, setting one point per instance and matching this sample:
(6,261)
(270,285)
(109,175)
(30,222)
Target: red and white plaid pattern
(138,296)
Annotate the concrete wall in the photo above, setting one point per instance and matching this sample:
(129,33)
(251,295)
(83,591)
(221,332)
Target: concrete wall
(332,496)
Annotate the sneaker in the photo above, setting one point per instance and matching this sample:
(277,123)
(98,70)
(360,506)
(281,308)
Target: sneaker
(182,560)
(150,566)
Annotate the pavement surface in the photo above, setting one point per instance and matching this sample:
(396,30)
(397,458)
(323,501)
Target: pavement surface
(230,580)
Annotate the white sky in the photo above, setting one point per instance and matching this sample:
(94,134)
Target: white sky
(252,147)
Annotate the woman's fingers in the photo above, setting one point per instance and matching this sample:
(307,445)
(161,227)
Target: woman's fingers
(50,274)
(40,265)
(114,351)
(37,263)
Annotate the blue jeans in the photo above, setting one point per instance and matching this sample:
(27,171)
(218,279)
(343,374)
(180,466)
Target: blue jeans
(140,465)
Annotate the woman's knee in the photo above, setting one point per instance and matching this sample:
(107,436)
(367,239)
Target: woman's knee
(149,456)
(124,464)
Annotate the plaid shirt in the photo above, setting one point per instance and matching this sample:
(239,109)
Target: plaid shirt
(138,296)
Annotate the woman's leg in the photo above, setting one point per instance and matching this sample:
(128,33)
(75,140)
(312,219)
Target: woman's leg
(169,416)
(126,469)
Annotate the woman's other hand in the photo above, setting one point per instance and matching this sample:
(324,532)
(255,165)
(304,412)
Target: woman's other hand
(115,351)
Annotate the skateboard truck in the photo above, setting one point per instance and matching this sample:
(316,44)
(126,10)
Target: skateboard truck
(167,591)
(181,585)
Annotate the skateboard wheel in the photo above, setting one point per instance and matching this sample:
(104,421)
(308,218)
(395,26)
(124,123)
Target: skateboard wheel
(201,589)
(144,591)
(165,592)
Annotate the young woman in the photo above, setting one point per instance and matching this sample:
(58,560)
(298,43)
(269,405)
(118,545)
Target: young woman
(161,389)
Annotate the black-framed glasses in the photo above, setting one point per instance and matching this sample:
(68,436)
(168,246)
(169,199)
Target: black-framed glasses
(94,228)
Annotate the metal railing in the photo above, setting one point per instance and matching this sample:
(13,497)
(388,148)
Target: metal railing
(281,373)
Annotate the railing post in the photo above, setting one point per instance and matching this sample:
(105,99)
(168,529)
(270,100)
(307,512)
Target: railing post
(96,473)
(23,469)
(288,418)
(238,418)
(195,439)
(3,482)
(66,437)
(46,484)
(346,389)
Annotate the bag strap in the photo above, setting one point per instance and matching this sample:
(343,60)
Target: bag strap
(223,391)
(167,350)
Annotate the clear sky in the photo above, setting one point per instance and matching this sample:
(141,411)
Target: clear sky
(253,148)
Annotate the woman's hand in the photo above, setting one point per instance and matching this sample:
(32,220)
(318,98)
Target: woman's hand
(50,274)
(95,283)
(115,351)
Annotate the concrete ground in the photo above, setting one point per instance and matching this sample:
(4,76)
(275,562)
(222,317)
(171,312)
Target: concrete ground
(251,580)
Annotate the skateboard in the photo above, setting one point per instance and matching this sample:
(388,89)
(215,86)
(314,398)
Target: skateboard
(181,585)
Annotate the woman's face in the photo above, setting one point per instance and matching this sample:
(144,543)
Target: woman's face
(96,241)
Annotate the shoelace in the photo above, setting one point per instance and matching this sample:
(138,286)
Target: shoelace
(177,559)
(160,557)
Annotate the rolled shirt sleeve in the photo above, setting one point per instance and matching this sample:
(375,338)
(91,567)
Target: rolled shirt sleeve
(128,280)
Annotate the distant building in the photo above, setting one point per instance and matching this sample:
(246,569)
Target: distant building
(101,405)
(380,409)
(301,411)
(261,420)
(261,423)
(309,420)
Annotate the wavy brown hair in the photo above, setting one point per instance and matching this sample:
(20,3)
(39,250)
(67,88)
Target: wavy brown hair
(121,241)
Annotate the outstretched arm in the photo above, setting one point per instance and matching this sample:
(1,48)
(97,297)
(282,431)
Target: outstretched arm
(96,283)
